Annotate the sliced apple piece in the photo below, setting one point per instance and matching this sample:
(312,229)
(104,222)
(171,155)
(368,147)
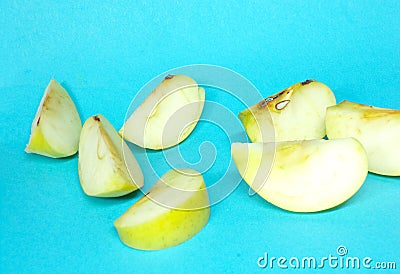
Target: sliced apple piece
(296,113)
(378,130)
(56,127)
(106,165)
(167,116)
(173,211)
(303,176)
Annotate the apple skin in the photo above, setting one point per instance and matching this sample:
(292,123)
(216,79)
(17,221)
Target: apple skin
(150,224)
(56,127)
(377,129)
(167,116)
(106,165)
(296,113)
(303,176)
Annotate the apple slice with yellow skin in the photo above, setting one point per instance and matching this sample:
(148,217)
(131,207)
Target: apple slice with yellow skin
(56,127)
(378,130)
(167,116)
(173,211)
(296,113)
(303,176)
(106,165)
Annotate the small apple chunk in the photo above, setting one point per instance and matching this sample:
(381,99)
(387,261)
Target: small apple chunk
(56,127)
(167,116)
(303,176)
(106,165)
(377,129)
(174,210)
(296,113)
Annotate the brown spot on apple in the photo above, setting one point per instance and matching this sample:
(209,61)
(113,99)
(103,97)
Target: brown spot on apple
(279,94)
(306,82)
(263,103)
(169,76)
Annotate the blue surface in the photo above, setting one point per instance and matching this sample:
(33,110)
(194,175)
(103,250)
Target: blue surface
(103,52)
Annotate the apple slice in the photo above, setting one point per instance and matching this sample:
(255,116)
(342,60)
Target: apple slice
(167,116)
(56,127)
(173,211)
(106,165)
(378,130)
(303,176)
(296,113)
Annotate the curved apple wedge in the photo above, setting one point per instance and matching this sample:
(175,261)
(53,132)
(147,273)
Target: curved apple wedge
(56,127)
(303,176)
(296,113)
(377,129)
(106,165)
(167,116)
(173,211)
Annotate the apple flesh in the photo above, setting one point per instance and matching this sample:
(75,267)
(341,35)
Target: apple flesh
(106,165)
(296,113)
(303,176)
(56,127)
(174,210)
(377,129)
(167,116)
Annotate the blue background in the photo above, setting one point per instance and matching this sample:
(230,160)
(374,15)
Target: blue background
(103,52)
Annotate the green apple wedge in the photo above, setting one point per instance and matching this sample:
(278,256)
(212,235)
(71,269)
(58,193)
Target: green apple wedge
(173,211)
(295,113)
(106,165)
(56,127)
(378,130)
(167,116)
(303,176)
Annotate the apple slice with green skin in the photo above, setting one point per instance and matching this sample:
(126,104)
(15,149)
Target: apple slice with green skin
(378,130)
(296,113)
(173,211)
(56,127)
(303,176)
(106,165)
(167,116)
